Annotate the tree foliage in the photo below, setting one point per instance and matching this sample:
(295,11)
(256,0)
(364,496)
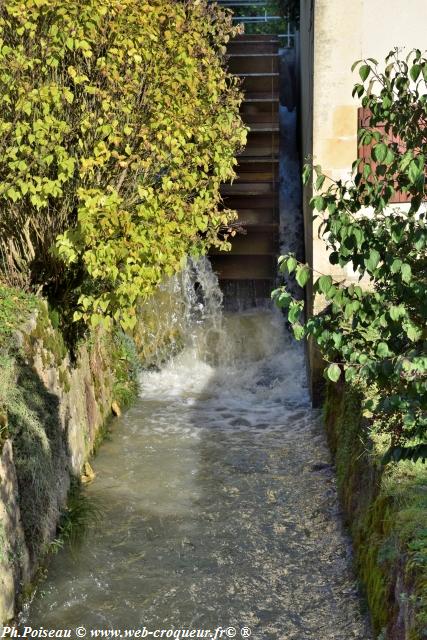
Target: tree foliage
(118,123)
(290,8)
(375,334)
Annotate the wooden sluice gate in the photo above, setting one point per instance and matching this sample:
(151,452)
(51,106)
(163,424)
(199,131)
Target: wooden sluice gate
(248,272)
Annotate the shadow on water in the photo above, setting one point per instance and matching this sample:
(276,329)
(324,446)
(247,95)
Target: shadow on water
(220,504)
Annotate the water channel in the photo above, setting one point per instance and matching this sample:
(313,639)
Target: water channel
(219,504)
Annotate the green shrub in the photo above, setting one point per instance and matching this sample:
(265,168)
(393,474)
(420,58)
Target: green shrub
(118,124)
(376,335)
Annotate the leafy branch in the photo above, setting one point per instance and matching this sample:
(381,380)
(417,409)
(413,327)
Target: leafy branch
(373,330)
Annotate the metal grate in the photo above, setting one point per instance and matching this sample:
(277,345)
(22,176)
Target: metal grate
(263,17)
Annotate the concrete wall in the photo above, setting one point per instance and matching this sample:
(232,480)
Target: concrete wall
(334,34)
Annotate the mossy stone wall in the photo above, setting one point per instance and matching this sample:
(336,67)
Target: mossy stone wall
(386,511)
(54,411)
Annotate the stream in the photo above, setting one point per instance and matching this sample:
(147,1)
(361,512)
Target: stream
(219,503)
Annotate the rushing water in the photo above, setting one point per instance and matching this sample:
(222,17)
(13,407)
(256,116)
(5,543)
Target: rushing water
(219,501)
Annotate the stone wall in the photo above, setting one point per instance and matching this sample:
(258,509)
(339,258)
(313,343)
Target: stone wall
(57,413)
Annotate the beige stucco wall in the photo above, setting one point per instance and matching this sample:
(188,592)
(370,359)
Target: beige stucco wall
(335,33)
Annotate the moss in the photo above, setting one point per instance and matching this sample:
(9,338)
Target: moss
(126,366)
(103,434)
(386,509)
(50,338)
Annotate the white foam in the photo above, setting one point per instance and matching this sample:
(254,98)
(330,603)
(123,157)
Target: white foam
(246,363)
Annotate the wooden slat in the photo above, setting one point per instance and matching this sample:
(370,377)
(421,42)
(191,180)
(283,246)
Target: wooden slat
(257,117)
(255,242)
(256,37)
(264,63)
(244,267)
(253,47)
(250,202)
(260,83)
(249,188)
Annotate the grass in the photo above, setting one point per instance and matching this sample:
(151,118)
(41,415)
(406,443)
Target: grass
(15,308)
(126,365)
(81,515)
(40,453)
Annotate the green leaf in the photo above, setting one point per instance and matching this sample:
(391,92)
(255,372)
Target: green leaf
(359,235)
(415,171)
(382,350)
(324,283)
(319,182)
(371,263)
(350,374)
(298,331)
(284,299)
(380,152)
(364,71)
(306,173)
(396,265)
(281,262)
(413,332)
(415,72)
(291,264)
(397,312)
(294,312)
(13,194)
(318,203)
(302,274)
(333,372)
(406,272)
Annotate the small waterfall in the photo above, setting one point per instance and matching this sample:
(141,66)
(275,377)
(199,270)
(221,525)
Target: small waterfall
(203,327)
(230,352)
(202,295)
(221,338)
(173,316)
